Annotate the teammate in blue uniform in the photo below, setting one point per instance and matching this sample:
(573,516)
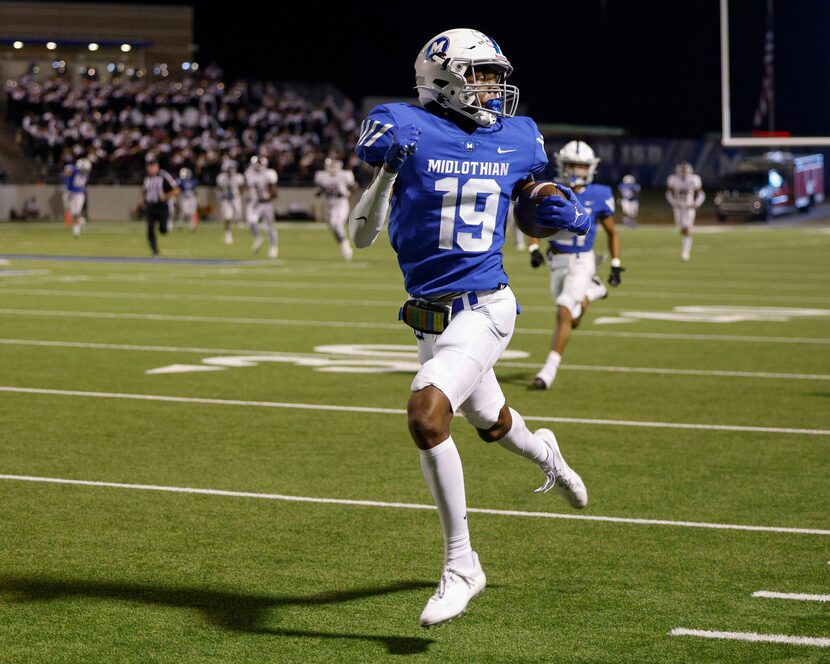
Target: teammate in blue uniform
(451,169)
(187,201)
(629,199)
(75,179)
(573,280)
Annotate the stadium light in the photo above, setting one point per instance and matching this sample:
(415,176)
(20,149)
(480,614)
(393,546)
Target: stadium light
(126,48)
(93,46)
(185,65)
(51,46)
(194,66)
(18,44)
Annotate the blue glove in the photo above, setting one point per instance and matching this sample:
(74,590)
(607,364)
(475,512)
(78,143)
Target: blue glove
(563,213)
(403,145)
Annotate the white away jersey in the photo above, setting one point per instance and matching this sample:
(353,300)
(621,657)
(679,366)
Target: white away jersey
(335,185)
(682,188)
(258,181)
(229,185)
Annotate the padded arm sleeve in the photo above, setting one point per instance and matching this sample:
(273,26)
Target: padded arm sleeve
(369,215)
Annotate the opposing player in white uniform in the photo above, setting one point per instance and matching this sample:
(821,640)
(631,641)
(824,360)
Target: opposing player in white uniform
(335,186)
(684,192)
(451,167)
(573,280)
(229,184)
(261,182)
(75,179)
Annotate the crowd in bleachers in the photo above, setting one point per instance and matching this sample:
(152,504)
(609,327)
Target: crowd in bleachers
(192,122)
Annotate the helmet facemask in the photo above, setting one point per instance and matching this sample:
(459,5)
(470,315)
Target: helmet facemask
(505,99)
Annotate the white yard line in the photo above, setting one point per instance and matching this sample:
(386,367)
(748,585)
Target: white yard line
(801,597)
(402,411)
(187,297)
(414,506)
(398,326)
(754,637)
(507,364)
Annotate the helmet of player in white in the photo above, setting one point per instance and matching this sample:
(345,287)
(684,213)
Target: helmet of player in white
(259,162)
(229,165)
(447,70)
(83,164)
(333,165)
(684,168)
(185,174)
(576,163)
(629,179)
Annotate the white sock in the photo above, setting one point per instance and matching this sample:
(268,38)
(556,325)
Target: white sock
(596,291)
(520,440)
(687,244)
(548,372)
(444,475)
(272,236)
(254,229)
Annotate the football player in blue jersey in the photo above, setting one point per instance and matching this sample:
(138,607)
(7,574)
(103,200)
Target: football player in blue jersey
(451,167)
(573,280)
(75,179)
(629,199)
(187,201)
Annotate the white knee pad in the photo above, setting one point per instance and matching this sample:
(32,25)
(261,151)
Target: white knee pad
(570,303)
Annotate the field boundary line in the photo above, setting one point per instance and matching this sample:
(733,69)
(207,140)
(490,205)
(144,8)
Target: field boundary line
(410,506)
(401,411)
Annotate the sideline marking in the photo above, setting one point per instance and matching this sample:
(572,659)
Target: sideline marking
(754,637)
(402,411)
(412,506)
(400,326)
(802,597)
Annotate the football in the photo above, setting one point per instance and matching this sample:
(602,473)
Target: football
(524,211)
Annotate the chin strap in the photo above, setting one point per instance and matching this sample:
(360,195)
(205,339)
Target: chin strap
(369,215)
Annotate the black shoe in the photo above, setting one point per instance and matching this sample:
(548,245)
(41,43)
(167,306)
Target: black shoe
(538,384)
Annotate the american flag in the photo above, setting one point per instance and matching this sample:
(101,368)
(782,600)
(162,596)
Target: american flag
(767,92)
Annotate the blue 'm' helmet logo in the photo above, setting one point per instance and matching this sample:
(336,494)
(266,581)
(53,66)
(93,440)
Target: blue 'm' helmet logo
(440,45)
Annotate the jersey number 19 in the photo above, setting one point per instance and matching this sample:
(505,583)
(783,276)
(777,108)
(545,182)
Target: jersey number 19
(465,206)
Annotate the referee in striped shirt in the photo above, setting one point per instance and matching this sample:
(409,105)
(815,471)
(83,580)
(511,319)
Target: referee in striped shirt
(159,187)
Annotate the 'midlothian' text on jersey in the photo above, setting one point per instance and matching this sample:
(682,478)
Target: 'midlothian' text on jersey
(451,198)
(451,167)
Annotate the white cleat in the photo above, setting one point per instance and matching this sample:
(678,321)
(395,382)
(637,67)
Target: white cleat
(228,237)
(273,251)
(559,475)
(257,244)
(455,590)
(684,256)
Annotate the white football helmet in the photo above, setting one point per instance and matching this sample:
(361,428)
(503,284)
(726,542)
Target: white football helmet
(445,61)
(185,174)
(576,153)
(629,179)
(684,168)
(333,165)
(83,164)
(229,165)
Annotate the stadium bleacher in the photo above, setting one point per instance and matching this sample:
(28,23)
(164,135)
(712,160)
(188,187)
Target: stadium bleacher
(192,121)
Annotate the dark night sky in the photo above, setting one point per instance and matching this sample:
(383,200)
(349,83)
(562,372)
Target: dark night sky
(650,67)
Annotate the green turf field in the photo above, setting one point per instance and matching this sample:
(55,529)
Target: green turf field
(118,574)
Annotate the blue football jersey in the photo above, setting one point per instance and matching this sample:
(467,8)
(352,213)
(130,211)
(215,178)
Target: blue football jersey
(598,201)
(450,200)
(76,180)
(187,186)
(630,192)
